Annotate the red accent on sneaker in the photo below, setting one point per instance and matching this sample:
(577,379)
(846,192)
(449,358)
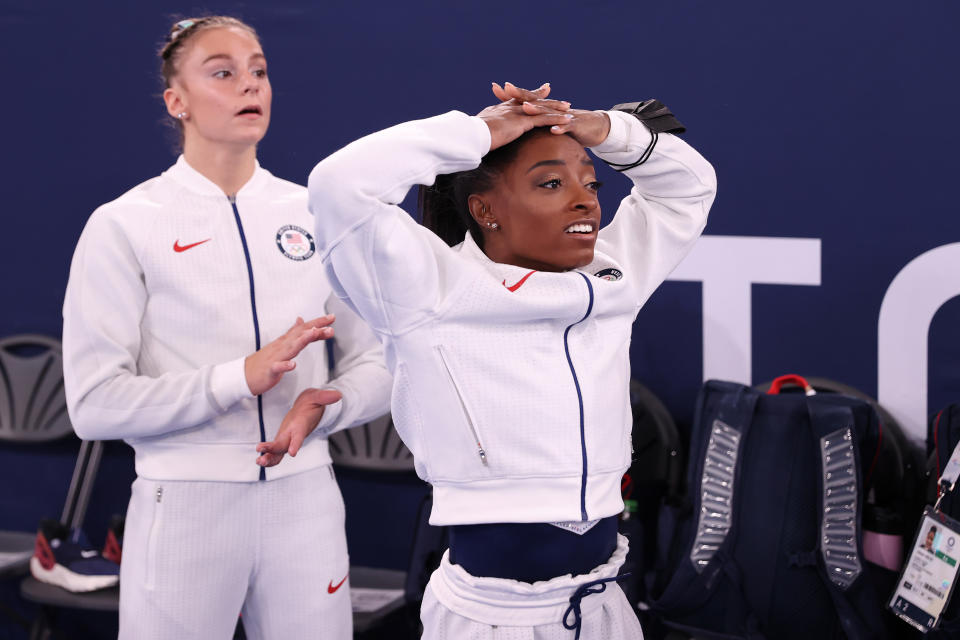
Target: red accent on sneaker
(111,548)
(43,552)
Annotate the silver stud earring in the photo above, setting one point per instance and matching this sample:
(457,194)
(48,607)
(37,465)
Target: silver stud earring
(493,225)
(181,115)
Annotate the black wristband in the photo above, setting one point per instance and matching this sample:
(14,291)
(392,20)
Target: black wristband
(655,115)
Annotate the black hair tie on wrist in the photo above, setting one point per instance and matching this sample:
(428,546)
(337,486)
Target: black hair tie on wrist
(656,117)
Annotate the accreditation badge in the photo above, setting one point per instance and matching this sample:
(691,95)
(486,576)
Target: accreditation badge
(930,574)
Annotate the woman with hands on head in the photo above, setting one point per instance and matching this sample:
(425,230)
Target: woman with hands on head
(507,323)
(184,334)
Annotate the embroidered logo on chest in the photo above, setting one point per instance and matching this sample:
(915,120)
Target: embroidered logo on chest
(295,243)
(180,248)
(519,283)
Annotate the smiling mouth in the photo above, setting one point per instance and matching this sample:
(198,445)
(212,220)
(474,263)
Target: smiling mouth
(252,109)
(580,227)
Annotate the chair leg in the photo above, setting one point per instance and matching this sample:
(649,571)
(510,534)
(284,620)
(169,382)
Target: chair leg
(40,629)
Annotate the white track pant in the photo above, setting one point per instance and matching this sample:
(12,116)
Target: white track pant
(458,606)
(196,554)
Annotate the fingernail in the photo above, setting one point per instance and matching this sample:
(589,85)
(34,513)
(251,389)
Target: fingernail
(569,116)
(565,103)
(545,84)
(555,127)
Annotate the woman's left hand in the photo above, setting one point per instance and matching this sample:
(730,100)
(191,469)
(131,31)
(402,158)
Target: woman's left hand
(589,128)
(299,422)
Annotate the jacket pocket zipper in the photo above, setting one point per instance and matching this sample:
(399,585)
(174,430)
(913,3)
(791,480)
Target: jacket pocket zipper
(473,427)
(152,541)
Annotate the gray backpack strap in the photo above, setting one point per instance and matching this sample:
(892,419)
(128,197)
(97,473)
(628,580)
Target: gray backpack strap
(717,456)
(717,491)
(839,493)
(841,497)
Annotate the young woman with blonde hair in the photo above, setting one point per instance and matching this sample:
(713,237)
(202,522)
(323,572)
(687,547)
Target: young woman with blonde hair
(183,336)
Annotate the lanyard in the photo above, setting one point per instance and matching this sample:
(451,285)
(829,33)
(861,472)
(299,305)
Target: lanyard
(948,479)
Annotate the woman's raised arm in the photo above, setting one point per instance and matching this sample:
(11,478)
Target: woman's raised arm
(394,272)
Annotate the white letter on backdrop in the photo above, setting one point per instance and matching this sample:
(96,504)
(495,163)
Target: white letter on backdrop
(727,266)
(916,293)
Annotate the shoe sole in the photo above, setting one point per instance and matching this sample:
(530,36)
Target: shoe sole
(62,577)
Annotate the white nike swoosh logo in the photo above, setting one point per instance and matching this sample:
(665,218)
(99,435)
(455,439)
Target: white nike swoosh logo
(89,554)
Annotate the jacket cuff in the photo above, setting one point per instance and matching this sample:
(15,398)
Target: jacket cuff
(228,384)
(625,130)
(481,135)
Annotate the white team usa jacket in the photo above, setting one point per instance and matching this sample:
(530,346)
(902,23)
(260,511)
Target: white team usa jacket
(510,386)
(171,286)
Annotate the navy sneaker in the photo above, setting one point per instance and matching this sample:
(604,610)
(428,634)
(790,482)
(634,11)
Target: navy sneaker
(65,558)
(113,547)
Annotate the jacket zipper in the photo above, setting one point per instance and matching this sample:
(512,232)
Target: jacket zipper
(576,383)
(152,540)
(473,428)
(256,322)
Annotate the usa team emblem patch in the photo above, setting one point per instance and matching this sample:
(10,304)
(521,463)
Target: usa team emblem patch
(609,274)
(295,243)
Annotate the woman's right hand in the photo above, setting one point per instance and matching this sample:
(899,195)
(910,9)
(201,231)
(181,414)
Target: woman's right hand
(299,422)
(509,120)
(589,128)
(264,368)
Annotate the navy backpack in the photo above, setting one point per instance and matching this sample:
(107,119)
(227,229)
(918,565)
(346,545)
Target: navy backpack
(769,542)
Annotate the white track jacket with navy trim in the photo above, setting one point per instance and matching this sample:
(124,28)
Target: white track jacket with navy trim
(171,286)
(512,397)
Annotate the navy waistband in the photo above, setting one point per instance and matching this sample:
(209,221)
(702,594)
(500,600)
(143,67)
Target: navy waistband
(531,552)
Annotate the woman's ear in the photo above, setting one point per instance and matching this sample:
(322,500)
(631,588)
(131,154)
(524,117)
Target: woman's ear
(174,102)
(482,212)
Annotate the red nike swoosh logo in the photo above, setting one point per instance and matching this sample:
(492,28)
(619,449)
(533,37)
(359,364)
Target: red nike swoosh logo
(181,248)
(519,283)
(333,589)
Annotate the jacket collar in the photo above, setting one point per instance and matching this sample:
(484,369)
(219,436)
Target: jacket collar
(472,251)
(191,179)
(469,249)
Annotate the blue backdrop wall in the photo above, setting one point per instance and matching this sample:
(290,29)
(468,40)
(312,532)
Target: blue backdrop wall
(833,128)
